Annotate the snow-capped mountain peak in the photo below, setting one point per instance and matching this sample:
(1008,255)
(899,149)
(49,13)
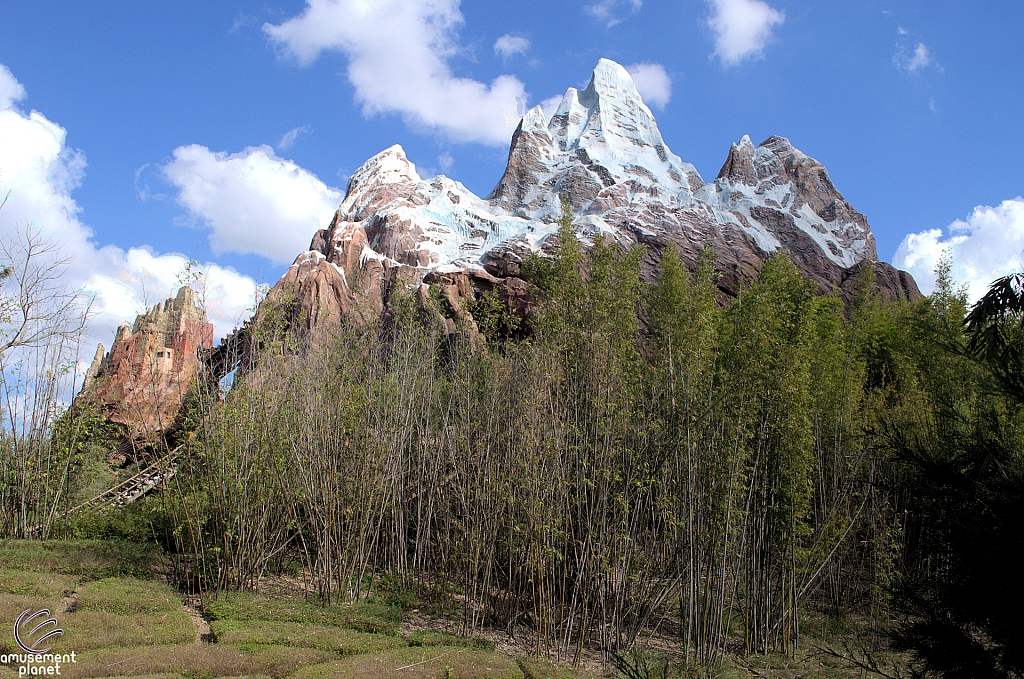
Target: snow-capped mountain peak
(597,138)
(601,152)
(610,121)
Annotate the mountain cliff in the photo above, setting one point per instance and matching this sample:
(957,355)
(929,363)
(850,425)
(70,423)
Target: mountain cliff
(602,152)
(141,382)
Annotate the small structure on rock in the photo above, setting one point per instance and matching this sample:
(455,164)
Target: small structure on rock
(142,381)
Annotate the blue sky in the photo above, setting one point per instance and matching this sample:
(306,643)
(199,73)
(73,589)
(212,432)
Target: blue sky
(124,126)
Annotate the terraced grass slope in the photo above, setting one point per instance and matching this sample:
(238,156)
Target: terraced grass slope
(121,619)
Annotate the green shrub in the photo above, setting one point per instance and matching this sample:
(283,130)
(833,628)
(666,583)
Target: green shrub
(146,520)
(91,559)
(392,591)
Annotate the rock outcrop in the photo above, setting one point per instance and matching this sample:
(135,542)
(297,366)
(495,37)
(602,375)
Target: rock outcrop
(142,381)
(602,153)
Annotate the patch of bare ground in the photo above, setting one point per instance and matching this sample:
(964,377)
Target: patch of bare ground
(203,632)
(69,603)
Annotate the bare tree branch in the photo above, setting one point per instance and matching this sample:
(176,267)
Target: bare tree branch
(36,304)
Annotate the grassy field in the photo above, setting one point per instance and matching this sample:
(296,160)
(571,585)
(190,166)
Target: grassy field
(122,619)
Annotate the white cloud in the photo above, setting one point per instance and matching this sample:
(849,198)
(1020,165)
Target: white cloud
(985,246)
(398,62)
(613,11)
(289,137)
(145,278)
(253,201)
(652,82)
(912,60)
(40,173)
(742,28)
(11,90)
(509,45)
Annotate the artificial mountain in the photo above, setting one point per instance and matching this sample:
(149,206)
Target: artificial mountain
(601,151)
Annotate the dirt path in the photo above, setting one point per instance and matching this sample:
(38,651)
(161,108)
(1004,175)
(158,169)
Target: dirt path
(203,632)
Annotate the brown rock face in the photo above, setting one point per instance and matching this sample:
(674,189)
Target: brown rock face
(141,382)
(891,283)
(334,281)
(367,249)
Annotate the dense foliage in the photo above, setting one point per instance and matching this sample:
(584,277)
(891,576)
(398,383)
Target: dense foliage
(631,456)
(962,594)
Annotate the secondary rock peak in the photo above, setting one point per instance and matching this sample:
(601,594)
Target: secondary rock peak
(534,120)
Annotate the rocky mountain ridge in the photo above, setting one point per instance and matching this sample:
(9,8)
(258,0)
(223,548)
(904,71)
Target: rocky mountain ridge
(601,151)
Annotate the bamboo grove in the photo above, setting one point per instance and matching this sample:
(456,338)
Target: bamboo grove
(41,324)
(632,457)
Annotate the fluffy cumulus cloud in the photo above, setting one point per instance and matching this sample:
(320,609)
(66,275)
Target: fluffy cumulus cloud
(398,62)
(652,82)
(742,28)
(253,202)
(39,172)
(509,45)
(613,12)
(983,247)
(145,278)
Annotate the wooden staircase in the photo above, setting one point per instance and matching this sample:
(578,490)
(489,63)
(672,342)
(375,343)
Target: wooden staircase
(133,488)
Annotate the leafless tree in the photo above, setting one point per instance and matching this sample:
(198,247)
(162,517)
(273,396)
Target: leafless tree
(36,304)
(41,324)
